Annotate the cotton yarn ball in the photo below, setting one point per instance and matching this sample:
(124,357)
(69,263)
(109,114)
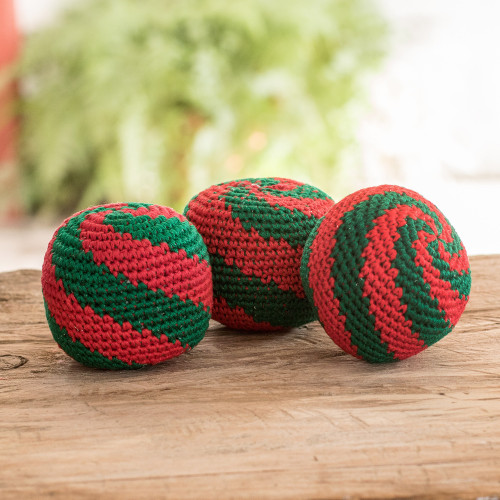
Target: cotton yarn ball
(387,274)
(127,285)
(255,231)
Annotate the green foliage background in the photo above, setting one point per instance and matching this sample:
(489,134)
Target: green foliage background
(153,100)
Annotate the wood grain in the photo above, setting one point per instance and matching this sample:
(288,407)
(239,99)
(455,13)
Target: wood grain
(284,415)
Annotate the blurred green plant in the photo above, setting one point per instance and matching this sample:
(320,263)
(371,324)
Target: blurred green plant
(153,100)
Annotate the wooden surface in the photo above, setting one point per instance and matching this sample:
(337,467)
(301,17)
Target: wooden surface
(284,415)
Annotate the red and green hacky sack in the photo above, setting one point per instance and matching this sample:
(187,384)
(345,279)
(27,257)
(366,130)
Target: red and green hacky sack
(387,273)
(255,231)
(127,285)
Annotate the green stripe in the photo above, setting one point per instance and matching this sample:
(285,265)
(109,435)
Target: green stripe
(348,262)
(270,221)
(427,321)
(264,302)
(459,280)
(304,264)
(180,235)
(96,287)
(267,186)
(81,353)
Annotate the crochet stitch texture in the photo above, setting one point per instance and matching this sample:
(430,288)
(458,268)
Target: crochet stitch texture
(255,231)
(126,285)
(387,273)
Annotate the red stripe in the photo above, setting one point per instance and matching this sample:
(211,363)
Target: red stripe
(102,334)
(312,207)
(323,285)
(379,286)
(268,260)
(156,266)
(237,318)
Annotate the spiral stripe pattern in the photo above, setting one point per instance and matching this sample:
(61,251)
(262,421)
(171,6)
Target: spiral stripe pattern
(127,285)
(387,273)
(255,231)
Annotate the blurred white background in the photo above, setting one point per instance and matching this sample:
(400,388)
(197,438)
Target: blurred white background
(432,122)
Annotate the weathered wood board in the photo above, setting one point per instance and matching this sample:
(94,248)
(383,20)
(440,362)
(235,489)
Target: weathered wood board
(270,415)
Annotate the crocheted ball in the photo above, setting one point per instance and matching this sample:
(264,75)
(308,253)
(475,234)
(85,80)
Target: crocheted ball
(387,273)
(126,285)
(255,231)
